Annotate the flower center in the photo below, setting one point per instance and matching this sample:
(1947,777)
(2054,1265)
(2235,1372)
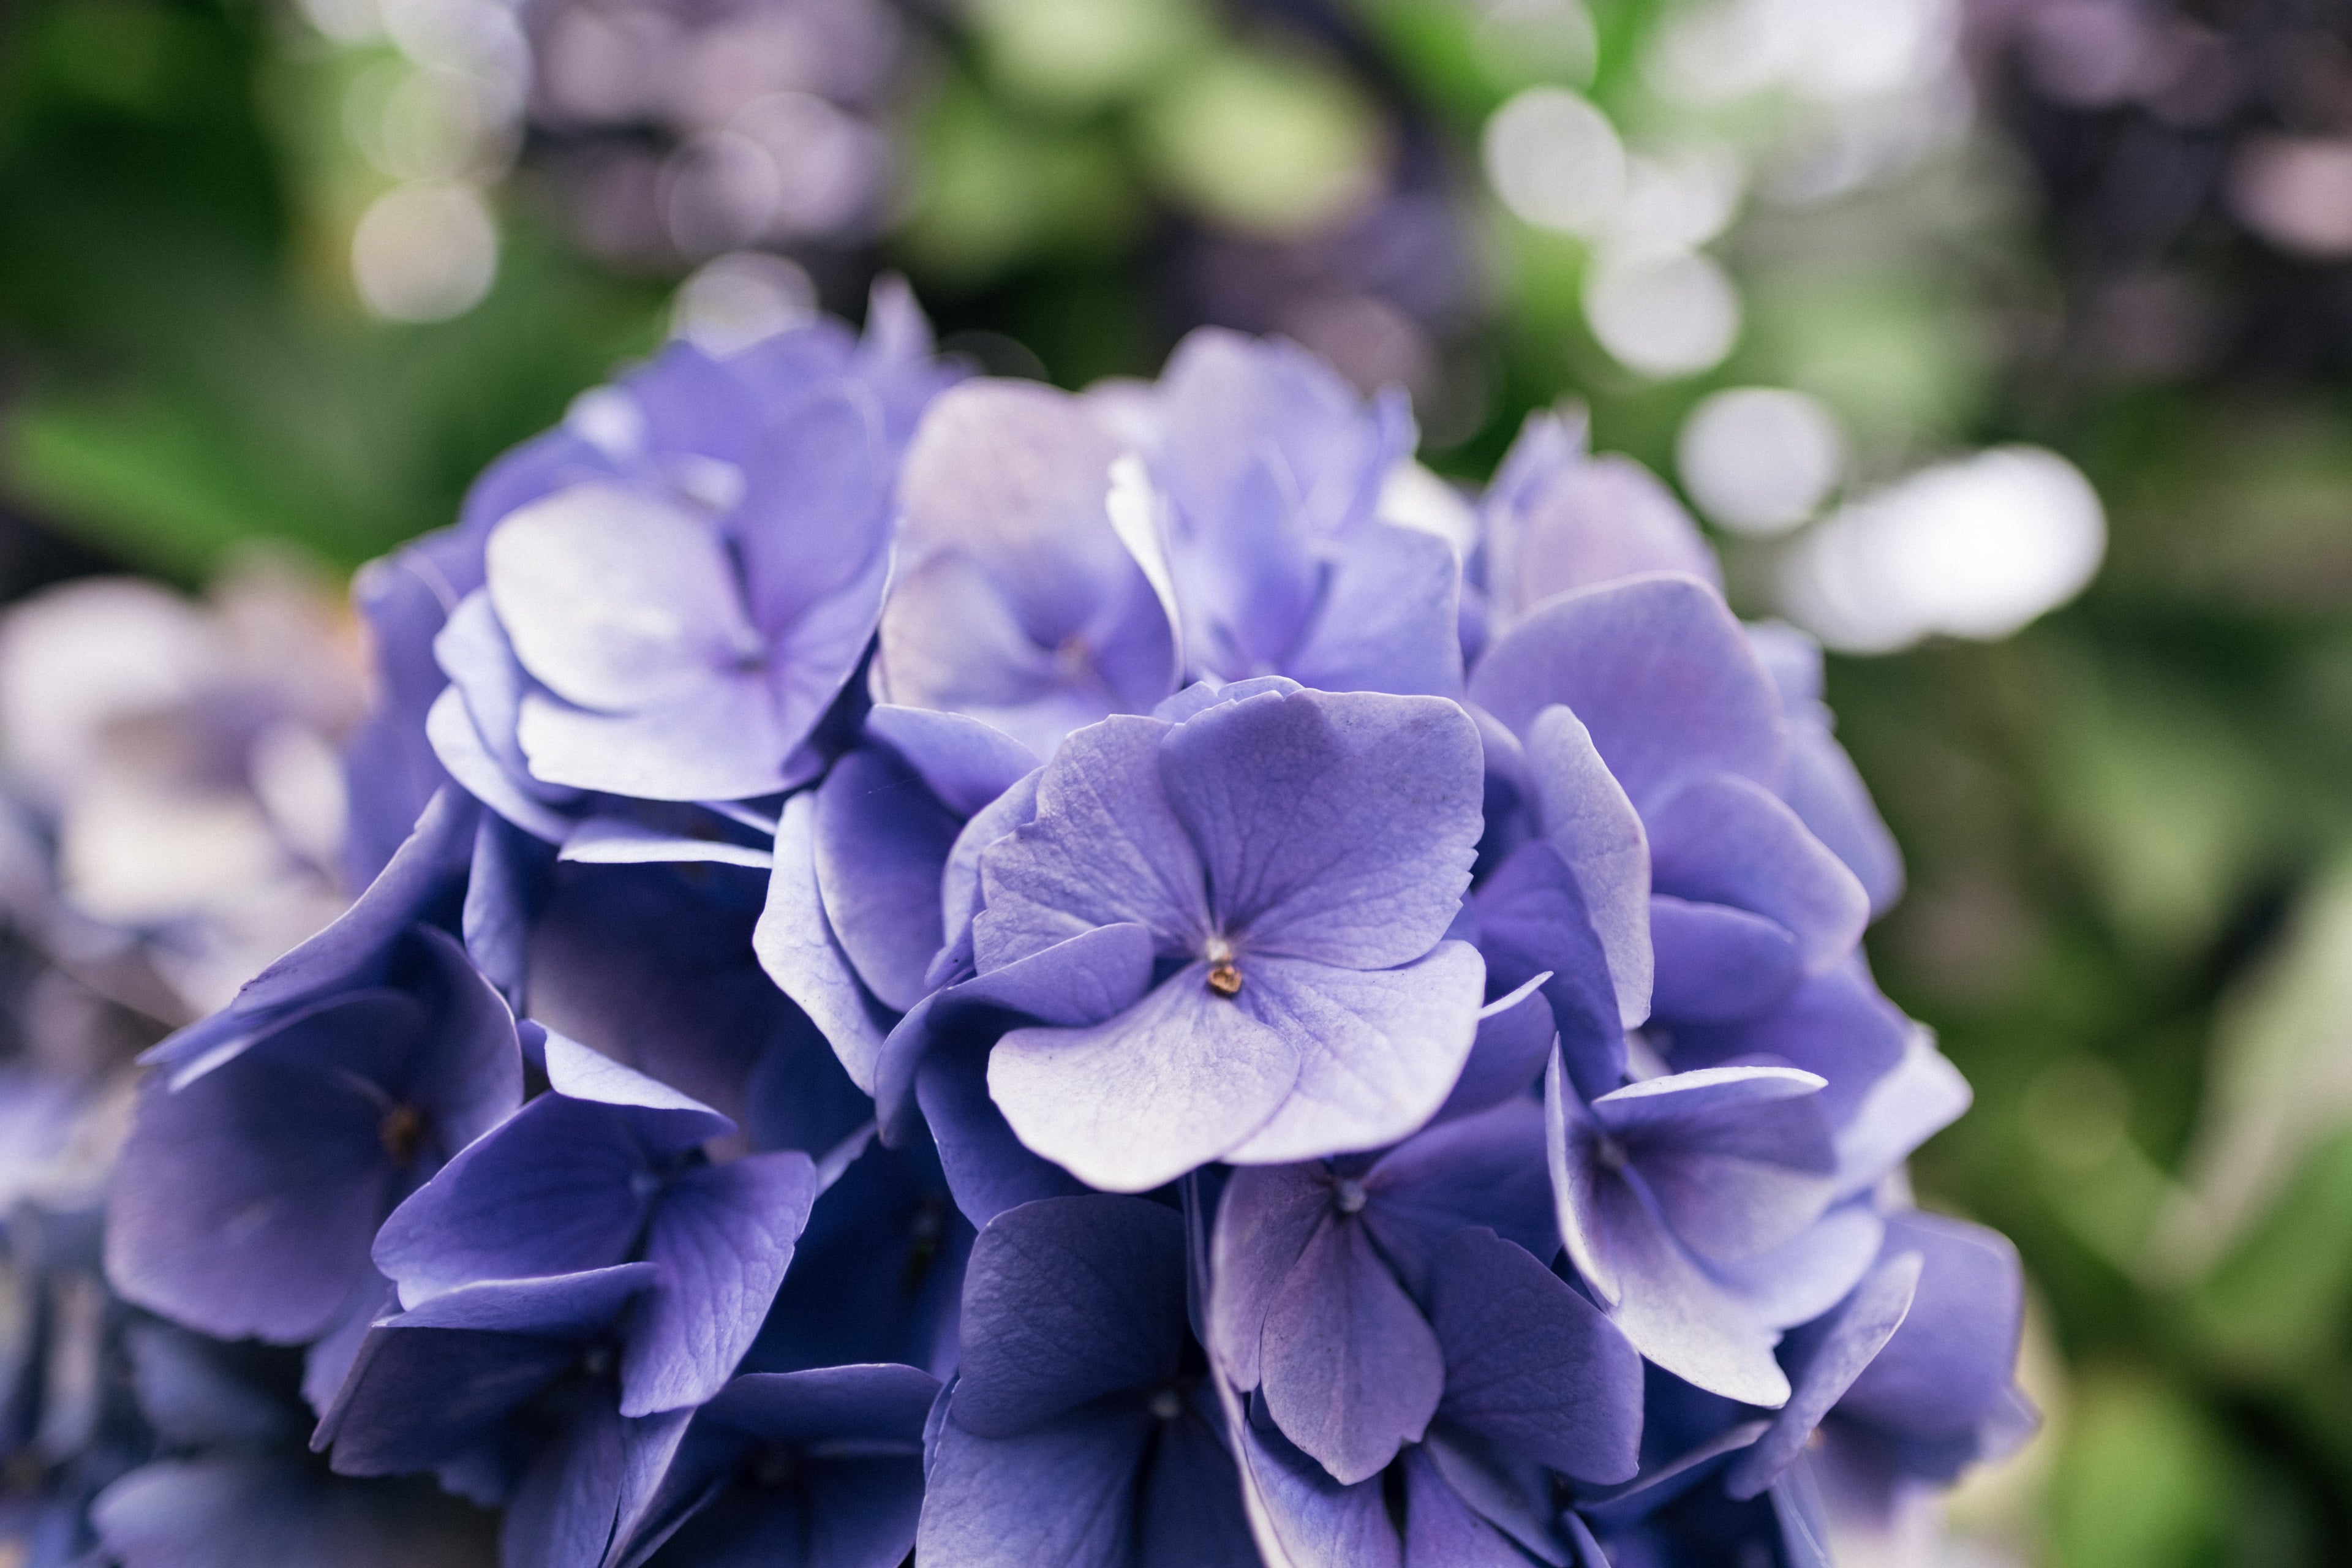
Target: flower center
(1348,1196)
(1609,1153)
(1167,1405)
(1224,975)
(401,1131)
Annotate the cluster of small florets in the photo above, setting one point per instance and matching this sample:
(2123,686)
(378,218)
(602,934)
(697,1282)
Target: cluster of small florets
(1106,979)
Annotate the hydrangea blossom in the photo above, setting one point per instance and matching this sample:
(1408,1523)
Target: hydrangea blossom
(1031,977)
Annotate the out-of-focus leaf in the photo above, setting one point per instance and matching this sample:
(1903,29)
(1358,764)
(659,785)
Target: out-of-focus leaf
(2146,1481)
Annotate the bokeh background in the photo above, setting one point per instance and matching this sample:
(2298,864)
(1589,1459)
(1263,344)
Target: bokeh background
(2005,344)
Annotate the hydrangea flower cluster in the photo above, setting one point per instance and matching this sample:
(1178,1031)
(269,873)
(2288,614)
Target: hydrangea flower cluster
(1096,979)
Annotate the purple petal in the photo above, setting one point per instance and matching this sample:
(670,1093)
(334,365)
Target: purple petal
(625,841)
(813,522)
(1530,1365)
(551,1192)
(967,764)
(1507,1054)
(1831,1358)
(1738,1160)
(436,1380)
(1106,848)
(1533,927)
(1377,1051)
(1673,1312)
(988,1169)
(725,1234)
(1660,673)
(1716,963)
(586,1489)
(1266,1217)
(1091,977)
(1829,796)
(1951,1362)
(1301,1516)
(798,949)
(1064,1301)
(1589,520)
(1484,1170)
(1440,1528)
(615,600)
(1727,840)
(882,839)
(1836,1026)
(1062,1493)
(1349,1369)
(1332,827)
(243,1204)
(1600,838)
(1389,617)
(1176,1080)
(427,871)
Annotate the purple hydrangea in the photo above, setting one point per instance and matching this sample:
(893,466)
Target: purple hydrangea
(1034,978)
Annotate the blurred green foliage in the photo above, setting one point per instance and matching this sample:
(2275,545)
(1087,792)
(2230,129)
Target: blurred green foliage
(187,369)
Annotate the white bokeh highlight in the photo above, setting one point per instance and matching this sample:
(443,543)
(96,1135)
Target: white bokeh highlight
(1976,548)
(1761,459)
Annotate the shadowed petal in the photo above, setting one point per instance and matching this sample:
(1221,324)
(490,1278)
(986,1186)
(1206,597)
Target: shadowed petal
(1067,1300)
(882,839)
(1530,1365)
(1351,1370)
(725,1234)
(1829,1357)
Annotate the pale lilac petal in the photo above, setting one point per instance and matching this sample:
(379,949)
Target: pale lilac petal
(882,839)
(614,599)
(1923,1094)
(722,740)
(1176,1080)
(1332,827)
(1389,618)
(1805,1276)
(449,727)
(1588,819)
(797,947)
(623,841)
(1376,1052)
